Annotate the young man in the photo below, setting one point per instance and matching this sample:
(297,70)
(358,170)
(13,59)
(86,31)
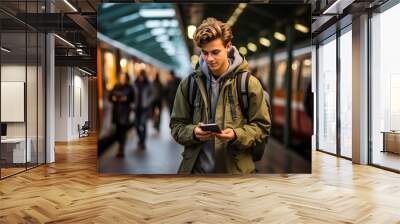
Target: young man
(229,151)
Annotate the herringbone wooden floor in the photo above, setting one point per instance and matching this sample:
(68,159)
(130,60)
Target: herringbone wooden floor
(70,191)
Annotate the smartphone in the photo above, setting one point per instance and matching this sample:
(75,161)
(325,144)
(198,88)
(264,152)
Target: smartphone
(210,127)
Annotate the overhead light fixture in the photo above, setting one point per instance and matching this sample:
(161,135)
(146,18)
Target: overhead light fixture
(162,38)
(5,50)
(279,36)
(123,62)
(151,13)
(242,5)
(170,51)
(252,47)
(174,32)
(190,31)
(70,5)
(165,22)
(295,65)
(86,72)
(80,51)
(127,18)
(158,31)
(243,50)
(135,29)
(143,37)
(167,45)
(307,62)
(64,40)
(152,23)
(337,7)
(173,23)
(232,20)
(265,42)
(301,28)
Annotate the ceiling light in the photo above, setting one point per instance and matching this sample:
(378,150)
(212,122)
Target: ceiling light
(135,29)
(170,51)
(243,50)
(143,37)
(70,5)
(86,72)
(158,23)
(162,38)
(148,13)
(152,23)
(334,7)
(165,23)
(279,36)
(65,41)
(307,62)
(232,20)
(123,62)
(174,31)
(158,31)
(265,42)
(190,31)
(242,5)
(251,46)
(295,65)
(5,49)
(127,18)
(173,23)
(301,28)
(167,45)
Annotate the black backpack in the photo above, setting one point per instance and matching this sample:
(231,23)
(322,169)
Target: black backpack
(242,84)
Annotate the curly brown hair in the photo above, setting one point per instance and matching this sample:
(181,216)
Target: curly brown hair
(211,29)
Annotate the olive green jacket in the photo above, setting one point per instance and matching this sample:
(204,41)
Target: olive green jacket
(233,157)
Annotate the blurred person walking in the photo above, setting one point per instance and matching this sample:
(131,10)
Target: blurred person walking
(144,98)
(121,97)
(171,89)
(157,103)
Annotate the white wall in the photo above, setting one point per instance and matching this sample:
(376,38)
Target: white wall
(61,103)
(33,127)
(12,73)
(71,94)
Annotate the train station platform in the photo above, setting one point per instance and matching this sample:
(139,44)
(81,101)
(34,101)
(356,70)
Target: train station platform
(163,155)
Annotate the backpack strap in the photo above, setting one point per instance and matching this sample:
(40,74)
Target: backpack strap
(232,102)
(192,89)
(193,93)
(242,84)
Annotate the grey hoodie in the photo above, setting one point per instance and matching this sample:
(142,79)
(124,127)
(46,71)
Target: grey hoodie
(206,161)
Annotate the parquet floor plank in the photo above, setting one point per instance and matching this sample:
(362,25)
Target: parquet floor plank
(70,191)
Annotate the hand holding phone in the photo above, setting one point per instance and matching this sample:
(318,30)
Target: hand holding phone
(201,134)
(210,127)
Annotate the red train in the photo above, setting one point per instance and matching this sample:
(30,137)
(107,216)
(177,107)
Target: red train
(301,125)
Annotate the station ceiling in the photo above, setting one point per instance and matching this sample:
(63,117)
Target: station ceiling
(148,31)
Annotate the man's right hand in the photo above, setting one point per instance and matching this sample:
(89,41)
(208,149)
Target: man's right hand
(202,135)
